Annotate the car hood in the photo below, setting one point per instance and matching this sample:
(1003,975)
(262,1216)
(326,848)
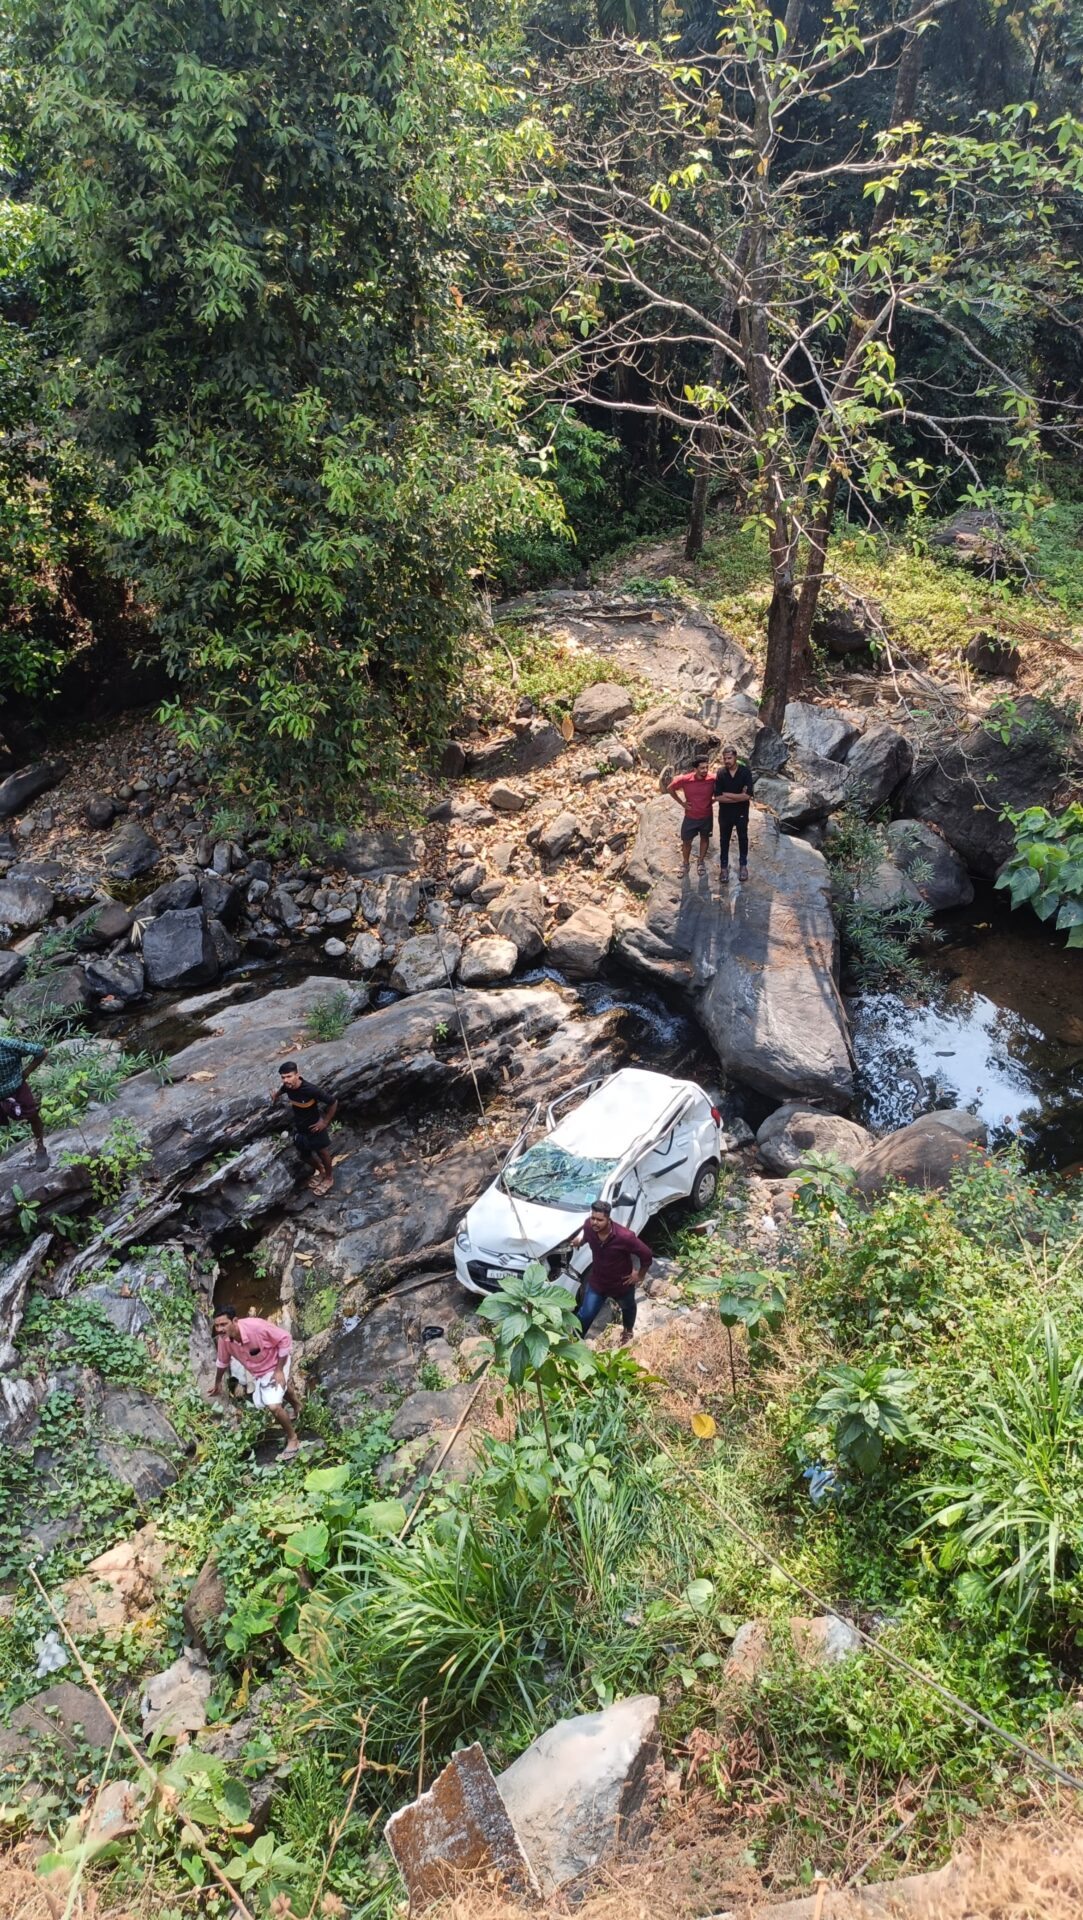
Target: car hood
(519,1231)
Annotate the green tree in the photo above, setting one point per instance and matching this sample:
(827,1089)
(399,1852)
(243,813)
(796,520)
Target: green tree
(307,433)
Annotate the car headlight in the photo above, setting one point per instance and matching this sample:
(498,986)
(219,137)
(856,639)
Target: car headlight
(462,1238)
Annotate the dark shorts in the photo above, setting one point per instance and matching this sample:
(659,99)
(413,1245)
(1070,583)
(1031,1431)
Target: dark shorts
(20,1105)
(310,1144)
(692,829)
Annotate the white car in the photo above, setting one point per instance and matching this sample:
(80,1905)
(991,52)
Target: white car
(639,1140)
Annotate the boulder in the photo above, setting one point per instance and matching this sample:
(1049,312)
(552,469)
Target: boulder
(924,1154)
(65,1712)
(673,647)
(424,1410)
(366,952)
(535,744)
(398,905)
(130,1414)
(205,1604)
(377,850)
(285,909)
(600,707)
(507,798)
(118,1588)
(886,888)
(845,624)
(992,657)
(792,1132)
(823,780)
(102,926)
(670,738)
(965,786)
(130,852)
(171,897)
(49,996)
(12,968)
(178,950)
(793,805)
(25,903)
(876,766)
(221,899)
(586,1789)
(100,812)
(120,978)
(460,1827)
(760,971)
(821,731)
(488,960)
(825,1641)
(932,867)
(227,950)
(519,915)
(467,878)
(427,960)
(558,834)
(579,946)
(175,1702)
(17,791)
(974,536)
(452,764)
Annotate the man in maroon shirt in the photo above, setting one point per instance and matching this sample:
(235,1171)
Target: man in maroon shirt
(696,791)
(620,1256)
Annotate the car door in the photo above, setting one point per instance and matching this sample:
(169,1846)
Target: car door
(666,1171)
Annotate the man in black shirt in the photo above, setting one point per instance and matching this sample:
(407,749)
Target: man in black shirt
(733,791)
(309,1125)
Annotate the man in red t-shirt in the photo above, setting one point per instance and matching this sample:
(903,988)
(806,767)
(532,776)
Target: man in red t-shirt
(257,1353)
(696,791)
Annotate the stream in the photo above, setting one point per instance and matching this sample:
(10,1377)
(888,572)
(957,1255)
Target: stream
(999,1031)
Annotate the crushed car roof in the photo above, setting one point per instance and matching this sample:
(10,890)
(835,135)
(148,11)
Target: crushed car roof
(621,1111)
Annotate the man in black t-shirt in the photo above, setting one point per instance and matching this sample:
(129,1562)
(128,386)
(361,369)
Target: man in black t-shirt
(733,791)
(309,1124)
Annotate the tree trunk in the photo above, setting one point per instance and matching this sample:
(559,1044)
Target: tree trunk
(781,616)
(697,518)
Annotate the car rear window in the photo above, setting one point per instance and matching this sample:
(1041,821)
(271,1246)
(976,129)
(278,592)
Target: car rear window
(553,1177)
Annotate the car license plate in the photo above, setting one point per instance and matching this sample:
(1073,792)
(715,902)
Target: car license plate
(497,1273)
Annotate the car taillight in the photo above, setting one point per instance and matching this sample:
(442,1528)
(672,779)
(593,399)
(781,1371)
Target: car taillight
(716,1116)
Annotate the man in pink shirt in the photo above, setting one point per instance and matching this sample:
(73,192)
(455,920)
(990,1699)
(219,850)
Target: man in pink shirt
(696,792)
(257,1353)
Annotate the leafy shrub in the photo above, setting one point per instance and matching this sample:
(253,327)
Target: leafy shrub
(878,943)
(865,1407)
(330,1017)
(1046,868)
(1012,1513)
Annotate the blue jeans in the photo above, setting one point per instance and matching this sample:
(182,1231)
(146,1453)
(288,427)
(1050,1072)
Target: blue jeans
(593,1302)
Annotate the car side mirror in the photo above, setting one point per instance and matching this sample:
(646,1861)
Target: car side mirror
(624,1199)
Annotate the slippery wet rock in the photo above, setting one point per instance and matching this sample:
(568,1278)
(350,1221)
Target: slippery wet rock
(175,1702)
(876,767)
(460,1826)
(825,1641)
(25,903)
(580,944)
(789,1135)
(488,960)
(586,1790)
(600,707)
(924,1154)
(428,960)
(932,867)
(66,1712)
(759,963)
(822,731)
(130,852)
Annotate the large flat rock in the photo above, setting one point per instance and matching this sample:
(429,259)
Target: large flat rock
(220,1091)
(757,961)
(676,648)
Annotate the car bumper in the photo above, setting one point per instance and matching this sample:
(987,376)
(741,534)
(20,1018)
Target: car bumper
(473,1273)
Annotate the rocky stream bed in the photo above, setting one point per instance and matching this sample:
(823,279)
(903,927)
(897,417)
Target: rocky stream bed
(533,929)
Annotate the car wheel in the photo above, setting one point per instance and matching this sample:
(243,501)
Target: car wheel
(705,1184)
